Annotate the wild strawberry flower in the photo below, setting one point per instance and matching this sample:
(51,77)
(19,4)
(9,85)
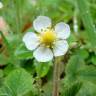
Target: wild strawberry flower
(48,42)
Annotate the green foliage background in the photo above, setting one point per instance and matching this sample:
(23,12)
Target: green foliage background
(22,75)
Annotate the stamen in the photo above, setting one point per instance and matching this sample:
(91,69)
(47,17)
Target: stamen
(47,37)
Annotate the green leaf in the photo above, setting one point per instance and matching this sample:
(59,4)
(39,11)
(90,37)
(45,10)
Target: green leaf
(9,68)
(88,21)
(42,68)
(74,64)
(1,73)
(23,53)
(88,89)
(77,70)
(93,60)
(72,90)
(82,53)
(17,83)
(87,73)
(71,39)
(1,77)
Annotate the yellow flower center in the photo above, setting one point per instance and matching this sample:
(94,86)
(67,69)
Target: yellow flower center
(48,37)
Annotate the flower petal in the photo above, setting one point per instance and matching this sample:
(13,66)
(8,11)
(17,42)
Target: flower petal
(31,40)
(62,30)
(60,48)
(41,22)
(43,54)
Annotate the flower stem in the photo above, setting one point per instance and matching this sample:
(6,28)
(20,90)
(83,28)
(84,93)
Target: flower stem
(56,77)
(39,85)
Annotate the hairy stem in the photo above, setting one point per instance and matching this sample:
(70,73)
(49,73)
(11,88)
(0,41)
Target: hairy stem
(56,77)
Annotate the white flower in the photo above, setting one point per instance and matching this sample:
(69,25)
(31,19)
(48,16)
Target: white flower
(1,5)
(48,42)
